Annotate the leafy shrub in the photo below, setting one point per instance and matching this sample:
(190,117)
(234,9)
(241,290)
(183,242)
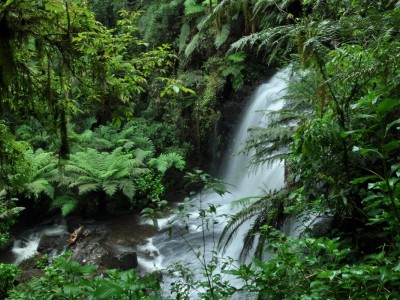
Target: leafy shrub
(310,268)
(69,280)
(8,273)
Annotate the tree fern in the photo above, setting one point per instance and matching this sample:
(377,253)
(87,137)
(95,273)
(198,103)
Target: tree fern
(43,171)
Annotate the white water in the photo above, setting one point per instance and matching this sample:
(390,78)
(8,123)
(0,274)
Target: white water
(175,249)
(26,245)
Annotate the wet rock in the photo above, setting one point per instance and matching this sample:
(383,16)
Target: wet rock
(51,244)
(94,249)
(90,249)
(128,261)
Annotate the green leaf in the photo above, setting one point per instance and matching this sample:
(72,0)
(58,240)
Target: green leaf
(345,134)
(364,151)
(390,125)
(387,105)
(54,6)
(393,145)
(107,291)
(72,290)
(176,89)
(363,179)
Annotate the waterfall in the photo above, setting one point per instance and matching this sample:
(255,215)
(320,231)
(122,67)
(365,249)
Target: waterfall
(164,250)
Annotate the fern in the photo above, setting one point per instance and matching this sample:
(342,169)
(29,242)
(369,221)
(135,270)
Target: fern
(184,35)
(192,45)
(85,188)
(144,143)
(66,203)
(222,35)
(111,187)
(94,171)
(191,7)
(8,210)
(166,161)
(128,188)
(43,171)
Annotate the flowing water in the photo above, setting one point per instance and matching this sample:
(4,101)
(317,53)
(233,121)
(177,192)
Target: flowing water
(195,235)
(27,242)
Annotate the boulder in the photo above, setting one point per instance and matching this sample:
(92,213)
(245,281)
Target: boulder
(51,244)
(93,249)
(128,261)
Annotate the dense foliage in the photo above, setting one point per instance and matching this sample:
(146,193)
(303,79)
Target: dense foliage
(69,280)
(97,105)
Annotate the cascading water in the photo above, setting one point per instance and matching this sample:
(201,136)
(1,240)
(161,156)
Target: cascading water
(26,244)
(166,249)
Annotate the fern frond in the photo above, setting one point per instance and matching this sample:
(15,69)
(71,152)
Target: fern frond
(38,186)
(235,222)
(66,203)
(266,211)
(8,210)
(135,172)
(10,213)
(144,143)
(110,187)
(141,156)
(87,187)
(191,7)
(222,35)
(165,161)
(183,37)
(192,45)
(128,188)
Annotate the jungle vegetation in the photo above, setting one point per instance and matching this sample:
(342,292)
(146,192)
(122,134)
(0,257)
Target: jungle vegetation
(104,104)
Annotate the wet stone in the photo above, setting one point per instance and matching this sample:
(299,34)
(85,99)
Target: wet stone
(50,244)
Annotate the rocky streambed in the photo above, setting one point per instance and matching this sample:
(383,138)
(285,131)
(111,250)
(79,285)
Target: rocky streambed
(119,242)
